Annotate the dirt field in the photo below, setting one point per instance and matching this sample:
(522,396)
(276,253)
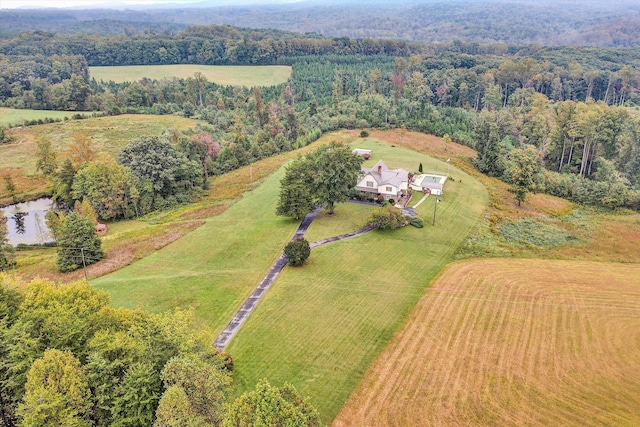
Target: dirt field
(490,346)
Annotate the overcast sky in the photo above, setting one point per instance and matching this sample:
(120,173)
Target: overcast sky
(11,4)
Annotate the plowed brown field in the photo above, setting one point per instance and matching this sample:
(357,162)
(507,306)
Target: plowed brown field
(512,342)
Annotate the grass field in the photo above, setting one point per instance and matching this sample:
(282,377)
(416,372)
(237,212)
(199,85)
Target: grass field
(321,325)
(215,267)
(212,268)
(490,346)
(13,116)
(235,75)
(109,135)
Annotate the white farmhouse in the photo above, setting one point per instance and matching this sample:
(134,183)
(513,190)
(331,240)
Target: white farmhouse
(380,180)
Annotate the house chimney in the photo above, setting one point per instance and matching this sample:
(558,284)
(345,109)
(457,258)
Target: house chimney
(380,170)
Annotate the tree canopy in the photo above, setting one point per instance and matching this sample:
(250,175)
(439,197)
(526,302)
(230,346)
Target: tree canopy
(324,177)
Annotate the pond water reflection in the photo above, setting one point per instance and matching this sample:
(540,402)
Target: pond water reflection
(26,222)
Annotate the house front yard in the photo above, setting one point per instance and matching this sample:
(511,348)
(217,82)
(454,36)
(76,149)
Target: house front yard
(321,325)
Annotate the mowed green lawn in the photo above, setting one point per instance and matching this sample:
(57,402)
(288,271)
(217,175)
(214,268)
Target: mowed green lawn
(235,75)
(212,269)
(14,116)
(321,325)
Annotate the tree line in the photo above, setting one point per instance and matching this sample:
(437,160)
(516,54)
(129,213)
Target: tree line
(579,23)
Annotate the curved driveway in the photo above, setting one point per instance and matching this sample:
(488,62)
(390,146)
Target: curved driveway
(247,307)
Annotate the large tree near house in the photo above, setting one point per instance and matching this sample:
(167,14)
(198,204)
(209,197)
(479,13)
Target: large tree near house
(323,177)
(335,170)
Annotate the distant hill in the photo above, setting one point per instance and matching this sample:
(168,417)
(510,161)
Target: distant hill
(561,23)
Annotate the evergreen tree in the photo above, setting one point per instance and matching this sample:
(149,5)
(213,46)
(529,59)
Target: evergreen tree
(138,397)
(78,239)
(7,251)
(46,162)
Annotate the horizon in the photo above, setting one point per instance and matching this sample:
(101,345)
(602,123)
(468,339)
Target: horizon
(89,4)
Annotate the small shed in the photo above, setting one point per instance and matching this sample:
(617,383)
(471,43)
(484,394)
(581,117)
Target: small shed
(362,152)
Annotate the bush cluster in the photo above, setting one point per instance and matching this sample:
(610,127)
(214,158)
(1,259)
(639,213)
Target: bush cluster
(386,218)
(417,222)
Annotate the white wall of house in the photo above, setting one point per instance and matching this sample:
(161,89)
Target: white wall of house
(388,190)
(368,182)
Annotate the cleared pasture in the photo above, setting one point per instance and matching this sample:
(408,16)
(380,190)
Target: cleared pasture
(321,325)
(108,135)
(234,75)
(15,117)
(512,342)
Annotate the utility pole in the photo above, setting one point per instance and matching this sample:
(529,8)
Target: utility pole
(448,164)
(84,265)
(435,208)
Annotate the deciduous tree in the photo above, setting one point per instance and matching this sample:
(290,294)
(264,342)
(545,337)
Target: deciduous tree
(522,168)
(203,383)
(271,406)
(57,393)
(335,171)
(46,161)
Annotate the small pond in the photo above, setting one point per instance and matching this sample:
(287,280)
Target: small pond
(26,223)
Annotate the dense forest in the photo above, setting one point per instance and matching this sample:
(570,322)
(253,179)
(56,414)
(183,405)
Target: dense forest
(558,23)
(572,105)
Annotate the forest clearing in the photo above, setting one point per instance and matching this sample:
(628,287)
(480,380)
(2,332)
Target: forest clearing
(15,117)
(233,75)
(106,135)
(214,279)
(510,342)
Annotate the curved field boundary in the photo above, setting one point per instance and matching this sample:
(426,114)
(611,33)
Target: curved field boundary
(512,342)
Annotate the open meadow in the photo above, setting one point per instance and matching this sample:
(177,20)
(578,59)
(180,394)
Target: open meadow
(234,75)
(322,324)
(108,135)
(512,342)
(16,117)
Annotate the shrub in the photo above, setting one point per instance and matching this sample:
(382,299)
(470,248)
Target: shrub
(417,222)
(386,218)
(531,233)
(392,202)
(297,251)
(364,134)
